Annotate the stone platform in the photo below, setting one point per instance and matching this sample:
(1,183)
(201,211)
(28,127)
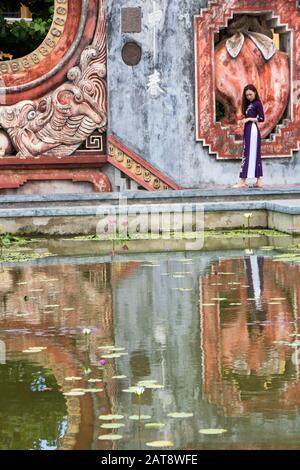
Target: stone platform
(74,214)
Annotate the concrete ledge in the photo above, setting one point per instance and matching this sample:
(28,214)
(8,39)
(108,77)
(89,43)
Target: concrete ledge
(155,197)
(282,215)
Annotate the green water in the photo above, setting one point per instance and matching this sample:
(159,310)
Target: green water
(217,333)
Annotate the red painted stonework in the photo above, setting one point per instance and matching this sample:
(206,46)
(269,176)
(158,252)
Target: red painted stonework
(10,179)
(219,138)
(54,58)
(138,169)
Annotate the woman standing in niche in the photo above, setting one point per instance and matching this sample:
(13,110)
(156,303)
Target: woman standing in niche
(252,108)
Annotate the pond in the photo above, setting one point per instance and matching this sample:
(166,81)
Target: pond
(209,341)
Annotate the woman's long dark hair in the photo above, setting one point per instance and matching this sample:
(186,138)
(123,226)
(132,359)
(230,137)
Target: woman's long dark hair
(245,101)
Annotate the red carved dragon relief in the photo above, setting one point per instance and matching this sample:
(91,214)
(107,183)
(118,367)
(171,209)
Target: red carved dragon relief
(60,121)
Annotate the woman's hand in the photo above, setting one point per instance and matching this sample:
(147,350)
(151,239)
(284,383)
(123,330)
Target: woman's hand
(250,120)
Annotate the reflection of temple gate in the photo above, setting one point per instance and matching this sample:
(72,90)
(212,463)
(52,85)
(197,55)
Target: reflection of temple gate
(66,299)
(241,334)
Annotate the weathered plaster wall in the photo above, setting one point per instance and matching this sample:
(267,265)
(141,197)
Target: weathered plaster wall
(162,129)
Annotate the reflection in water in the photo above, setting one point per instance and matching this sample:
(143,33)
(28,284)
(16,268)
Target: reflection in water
(234,366)
(247,364)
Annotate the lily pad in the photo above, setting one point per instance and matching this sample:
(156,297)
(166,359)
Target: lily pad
(154,386)
(110,437)
(160,444)
(135,389)
(154,425)
(144,383)
(74,394)
(110,417)
(180,415)
(33,350)
(112,425)
(213,431)
(138,417)
(114,355)
(70,379)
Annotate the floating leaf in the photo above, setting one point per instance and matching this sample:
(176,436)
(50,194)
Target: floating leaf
(149,265)
(160,444)
(180,415)
(70,379)
(110,417)
(154,386)
(114,355)
(182,272)
(212,431)
(144,383)
(138,417)
(110,437)
(74,394)
(33,350)
(154,425)
(112,425)
(132,389)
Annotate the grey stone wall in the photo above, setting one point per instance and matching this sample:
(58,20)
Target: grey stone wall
(162,129)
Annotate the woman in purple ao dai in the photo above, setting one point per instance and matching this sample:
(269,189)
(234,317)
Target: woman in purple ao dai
(251,163)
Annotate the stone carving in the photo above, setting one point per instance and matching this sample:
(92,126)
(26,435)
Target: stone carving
(250,56)
(59,122)
(221,78)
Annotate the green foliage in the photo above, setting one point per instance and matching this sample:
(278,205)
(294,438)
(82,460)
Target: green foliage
(20,37)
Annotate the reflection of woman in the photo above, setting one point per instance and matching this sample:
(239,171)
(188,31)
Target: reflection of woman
(252,108)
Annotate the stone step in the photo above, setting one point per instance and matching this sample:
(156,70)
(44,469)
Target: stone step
(147,197)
